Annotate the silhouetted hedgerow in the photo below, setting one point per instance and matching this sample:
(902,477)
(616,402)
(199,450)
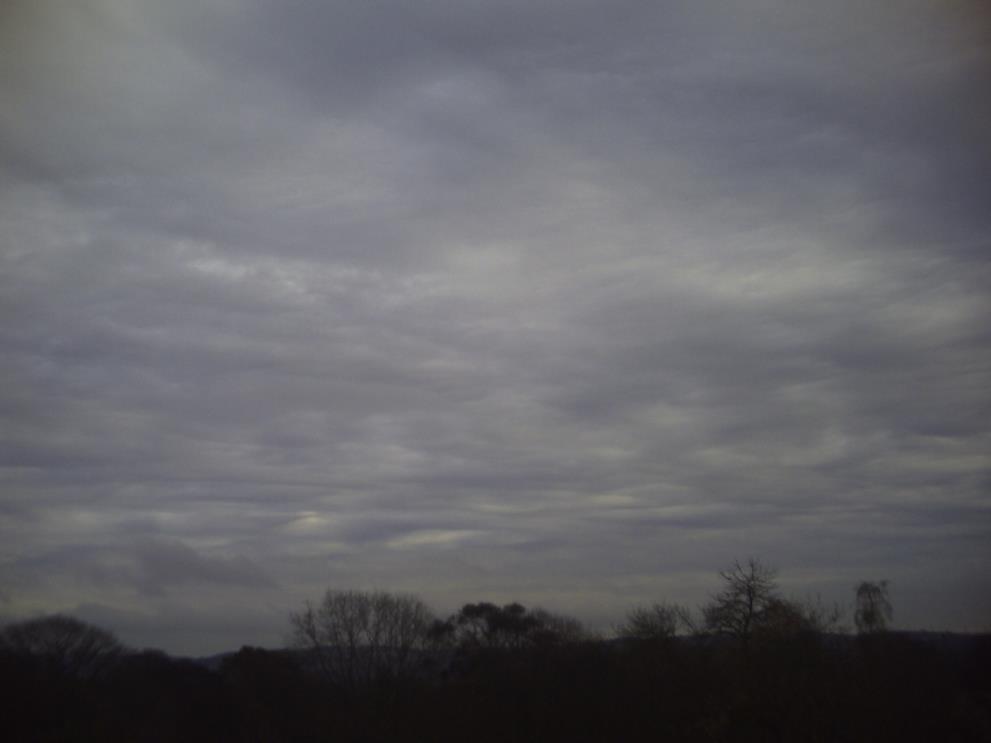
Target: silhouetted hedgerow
(491,673)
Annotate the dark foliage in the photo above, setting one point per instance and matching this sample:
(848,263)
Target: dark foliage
(61,646)
(874,610)
(521,675)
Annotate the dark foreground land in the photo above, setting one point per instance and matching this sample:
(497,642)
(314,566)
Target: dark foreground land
(807,687)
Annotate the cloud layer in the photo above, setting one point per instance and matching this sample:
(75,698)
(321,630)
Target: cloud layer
(570,303)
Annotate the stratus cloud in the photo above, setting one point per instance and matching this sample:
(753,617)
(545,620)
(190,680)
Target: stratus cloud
(569,305)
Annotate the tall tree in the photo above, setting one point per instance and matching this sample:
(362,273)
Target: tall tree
(359,637)
(749,594)
(874,610)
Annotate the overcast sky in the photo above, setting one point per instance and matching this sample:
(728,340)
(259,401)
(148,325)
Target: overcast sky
(570,303)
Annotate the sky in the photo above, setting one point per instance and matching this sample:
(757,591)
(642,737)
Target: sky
(570,303)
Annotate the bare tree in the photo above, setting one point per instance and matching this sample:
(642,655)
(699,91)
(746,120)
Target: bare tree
(359,637)
(65,645)
(873,610)
(557,629)
(659,621)
(748,597)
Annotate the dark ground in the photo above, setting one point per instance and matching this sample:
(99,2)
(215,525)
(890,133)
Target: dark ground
(889,687)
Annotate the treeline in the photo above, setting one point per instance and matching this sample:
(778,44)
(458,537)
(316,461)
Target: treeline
(749,665)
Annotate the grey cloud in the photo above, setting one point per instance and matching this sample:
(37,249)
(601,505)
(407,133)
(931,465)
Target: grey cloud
(152,567)
(531,300)
(166,564)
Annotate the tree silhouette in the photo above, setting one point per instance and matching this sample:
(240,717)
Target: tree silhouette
(63,645)
(659,621)
(360,637)
(485,626)
(874,609)
(748,597)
